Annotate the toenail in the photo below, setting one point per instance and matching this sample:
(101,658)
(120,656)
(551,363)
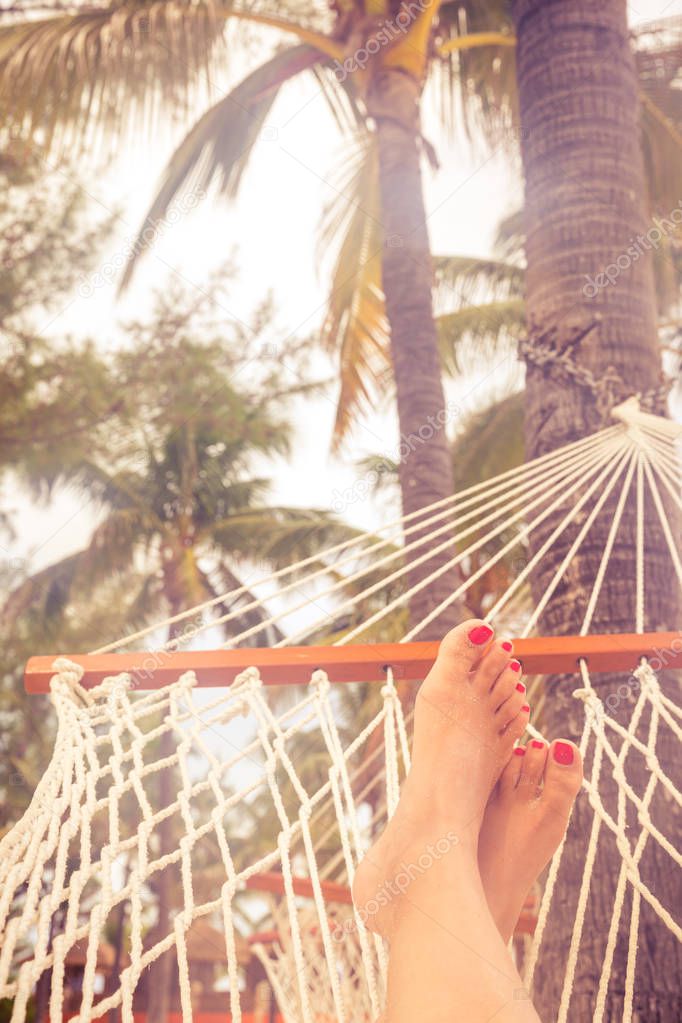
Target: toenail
(519,751)
(537,744)
(515,666)
(480,634)
(525,709)
(563,753)
(507,646)
(520,688)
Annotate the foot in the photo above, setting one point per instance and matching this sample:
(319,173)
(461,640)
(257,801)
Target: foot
(524,823)
(468,713)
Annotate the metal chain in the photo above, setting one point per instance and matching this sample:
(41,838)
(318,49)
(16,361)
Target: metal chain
(609,389)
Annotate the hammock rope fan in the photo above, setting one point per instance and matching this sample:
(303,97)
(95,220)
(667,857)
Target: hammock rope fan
(308,769)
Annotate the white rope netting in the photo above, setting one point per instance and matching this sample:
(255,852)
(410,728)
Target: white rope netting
(200,795)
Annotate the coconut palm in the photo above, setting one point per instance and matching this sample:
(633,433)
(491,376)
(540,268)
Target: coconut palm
(585,199)
(480,309)
(89,57)
(184,511)
(371,60)
(559,45)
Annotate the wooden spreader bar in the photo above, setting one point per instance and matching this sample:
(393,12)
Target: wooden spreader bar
(273,882)
(543,655)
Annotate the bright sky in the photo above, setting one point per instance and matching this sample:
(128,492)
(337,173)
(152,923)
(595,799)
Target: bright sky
(272,232)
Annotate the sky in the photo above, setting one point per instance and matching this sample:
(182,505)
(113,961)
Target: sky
(271,231)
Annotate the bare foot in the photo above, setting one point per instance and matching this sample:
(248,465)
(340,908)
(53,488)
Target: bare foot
(524,823)
(469,712)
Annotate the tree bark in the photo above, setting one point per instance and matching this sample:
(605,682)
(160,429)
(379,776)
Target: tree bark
(163,969)
(407,277)
(585,206)
(162,972)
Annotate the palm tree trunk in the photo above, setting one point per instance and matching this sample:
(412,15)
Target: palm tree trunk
(163,970)
(585,203)
(425,462)
(162,973)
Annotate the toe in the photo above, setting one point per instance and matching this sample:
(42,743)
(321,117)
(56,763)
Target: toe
(533,768)
(507,683)
(563,775)
(510,707)
(515,716)
(460,650)
(509,778)
(492,667)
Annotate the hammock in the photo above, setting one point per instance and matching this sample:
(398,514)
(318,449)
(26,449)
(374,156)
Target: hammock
(276,793)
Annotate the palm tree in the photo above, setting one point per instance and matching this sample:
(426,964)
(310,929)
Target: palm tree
(132,50)
(586,199)
(480,310)
(183,511)
(563,37)
(371,60)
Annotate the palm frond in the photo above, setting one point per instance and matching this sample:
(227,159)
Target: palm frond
(356,328)
(489,442)
(245,619)
(510,237)
(468,276)
(475,85)
(493,325)
(278,536)
(218,147)
(46,594)
(340,97)
(658,55)
(380,471)
(114,65)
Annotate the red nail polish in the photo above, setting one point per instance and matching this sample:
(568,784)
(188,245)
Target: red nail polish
(525,709)
(507,646)
(520,688)
(537,744)
(480,634)
(515,666)
(519,751)
(563,753)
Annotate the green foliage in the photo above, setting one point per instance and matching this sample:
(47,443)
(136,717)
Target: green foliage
(219,145)
(476,88)
(356,326)
(121,63)
(174,470)
(45,241)
(489,442)
(86,59)
(481,331)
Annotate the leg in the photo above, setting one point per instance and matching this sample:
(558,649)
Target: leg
(420,885)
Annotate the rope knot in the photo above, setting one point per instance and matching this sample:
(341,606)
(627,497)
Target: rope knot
(320,680)
(116,688)
(68,671)
(250,678)
(187,680)
(647,678)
